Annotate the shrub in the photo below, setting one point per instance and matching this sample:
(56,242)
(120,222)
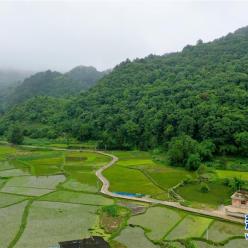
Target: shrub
(204,188)
(181,148)
(111,210)
(193,162)
(15,135)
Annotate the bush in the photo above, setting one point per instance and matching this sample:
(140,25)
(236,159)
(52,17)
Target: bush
(202,169)
(181,148)
(204,188)
(15,135)
(111,210)
(193,162)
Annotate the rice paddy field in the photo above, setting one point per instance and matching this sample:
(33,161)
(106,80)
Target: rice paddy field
(51,196)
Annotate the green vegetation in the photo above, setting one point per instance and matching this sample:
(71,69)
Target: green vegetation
(52,83)
(113,218)
(218,194)
(15,135)
(200,92)
(204,188)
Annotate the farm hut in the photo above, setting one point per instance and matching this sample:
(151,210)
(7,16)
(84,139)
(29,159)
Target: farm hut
(92,242)
(240,199)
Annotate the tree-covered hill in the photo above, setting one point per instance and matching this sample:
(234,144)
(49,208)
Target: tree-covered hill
(55,84)
(201,92)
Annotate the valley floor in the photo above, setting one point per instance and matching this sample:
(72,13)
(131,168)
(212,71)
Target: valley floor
(47,196)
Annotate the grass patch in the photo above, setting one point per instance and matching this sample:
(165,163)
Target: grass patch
(131,181)
(168,177)
(218,194)
(232,174)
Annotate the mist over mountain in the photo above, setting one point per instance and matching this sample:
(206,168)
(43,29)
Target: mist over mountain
(55,84)
(11,76)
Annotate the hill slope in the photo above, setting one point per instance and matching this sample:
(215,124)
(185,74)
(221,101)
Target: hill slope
(201,91)
(55,84)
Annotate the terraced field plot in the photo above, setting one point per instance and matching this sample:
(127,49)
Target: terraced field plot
(132,181)
(191,226)
(9,199)
(55,222)
(220,231)
(134,237)
(79,198)
(11,218)
(157,216)
(230,174)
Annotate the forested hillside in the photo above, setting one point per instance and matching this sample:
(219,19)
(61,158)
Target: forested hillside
(201,92)
(55,84)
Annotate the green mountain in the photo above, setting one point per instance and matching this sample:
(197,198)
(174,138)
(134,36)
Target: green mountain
(55,84)
(201,91)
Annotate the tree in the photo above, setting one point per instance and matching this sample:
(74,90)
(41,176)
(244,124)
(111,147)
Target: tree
(204,188)
(193,162)
(241,140)
(15,135)
(202,169)
(181,148)
(206,149)
(236,183)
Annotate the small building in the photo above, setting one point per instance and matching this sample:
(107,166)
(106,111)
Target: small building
(240,199)
(92,242)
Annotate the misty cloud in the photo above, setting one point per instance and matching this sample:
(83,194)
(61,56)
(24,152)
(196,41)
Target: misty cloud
(60,35)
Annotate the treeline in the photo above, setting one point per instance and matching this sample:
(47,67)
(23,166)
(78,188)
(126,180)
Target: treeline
(200,93)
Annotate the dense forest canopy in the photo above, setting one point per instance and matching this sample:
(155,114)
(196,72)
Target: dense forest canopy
(201,92)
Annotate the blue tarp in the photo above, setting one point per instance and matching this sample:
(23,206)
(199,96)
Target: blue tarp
(129,194)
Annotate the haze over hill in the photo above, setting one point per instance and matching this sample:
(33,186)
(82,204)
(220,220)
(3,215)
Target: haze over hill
(11,76)
(201,91)
(51,83)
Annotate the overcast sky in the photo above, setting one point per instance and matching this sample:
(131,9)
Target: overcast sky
(58,35)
